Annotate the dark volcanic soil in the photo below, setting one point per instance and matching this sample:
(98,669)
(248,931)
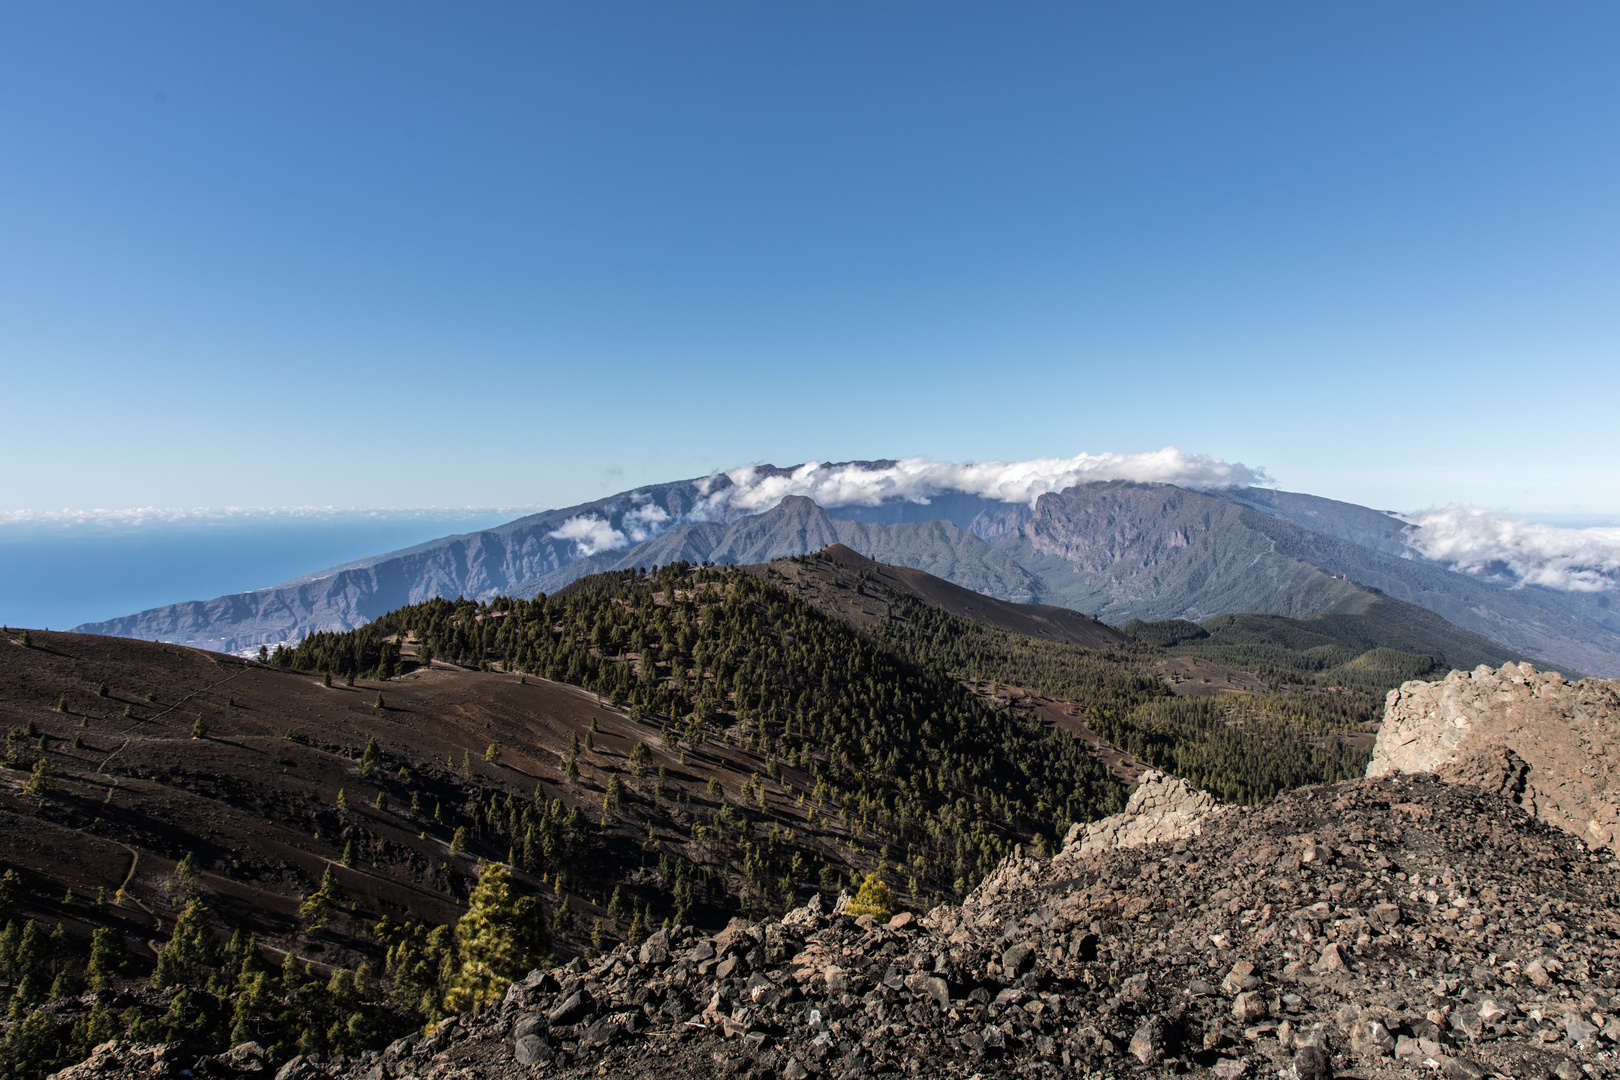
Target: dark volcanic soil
(256,799)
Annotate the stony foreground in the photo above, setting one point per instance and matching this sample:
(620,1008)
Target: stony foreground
(1374,928)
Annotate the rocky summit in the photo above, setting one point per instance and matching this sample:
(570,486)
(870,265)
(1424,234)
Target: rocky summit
(1551,743)
(1374,928)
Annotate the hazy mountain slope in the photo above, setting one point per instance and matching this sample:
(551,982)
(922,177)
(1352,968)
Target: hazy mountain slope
(797,526)
(1159,552)
(485,563)
(1341,520)
(1572,629)
(1155,552)
(946,551)
(1581,629)
(985,518)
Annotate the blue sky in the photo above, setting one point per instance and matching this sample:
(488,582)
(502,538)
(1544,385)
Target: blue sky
(425,254)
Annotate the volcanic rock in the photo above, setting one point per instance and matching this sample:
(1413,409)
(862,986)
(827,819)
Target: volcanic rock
(1548,744)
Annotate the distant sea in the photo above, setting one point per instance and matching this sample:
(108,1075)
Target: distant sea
(57,575)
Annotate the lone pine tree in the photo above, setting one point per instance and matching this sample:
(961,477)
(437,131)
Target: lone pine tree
(501,938)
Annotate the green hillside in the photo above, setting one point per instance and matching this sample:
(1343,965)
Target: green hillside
(1379,647)
(1244,748)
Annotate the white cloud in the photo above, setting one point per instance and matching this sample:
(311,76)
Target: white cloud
(644,521)
(1514,552)
(919,479)
(590,534)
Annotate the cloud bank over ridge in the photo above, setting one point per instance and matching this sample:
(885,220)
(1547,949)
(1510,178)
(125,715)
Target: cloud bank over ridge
(920,479)
(753,489)
(1510,551)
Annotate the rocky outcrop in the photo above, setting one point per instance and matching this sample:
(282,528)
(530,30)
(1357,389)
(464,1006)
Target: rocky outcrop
(1551,744)
(1162,808)
(119,1057)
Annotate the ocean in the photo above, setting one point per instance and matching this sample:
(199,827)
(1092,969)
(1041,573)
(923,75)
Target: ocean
(58,575)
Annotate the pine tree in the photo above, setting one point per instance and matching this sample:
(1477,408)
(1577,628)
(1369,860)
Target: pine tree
(11,892)
(93,1029)
(43,781)
(253,1003)
(317,908)
(502,936)
(873,898)
(8,948)
(187,878)
(190,954)
(369,759)
(32,1047)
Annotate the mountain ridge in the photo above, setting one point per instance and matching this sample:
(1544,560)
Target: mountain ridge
(1121,550)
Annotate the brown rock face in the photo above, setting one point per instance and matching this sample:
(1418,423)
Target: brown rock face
(1551,745)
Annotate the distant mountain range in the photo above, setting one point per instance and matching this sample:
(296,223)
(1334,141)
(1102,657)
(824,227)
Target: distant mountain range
(1117,550)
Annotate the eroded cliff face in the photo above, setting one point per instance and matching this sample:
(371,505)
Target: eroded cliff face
(1551,744)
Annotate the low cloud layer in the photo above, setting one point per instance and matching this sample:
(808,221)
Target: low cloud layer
(753,490)
(919,479)
(1513,552)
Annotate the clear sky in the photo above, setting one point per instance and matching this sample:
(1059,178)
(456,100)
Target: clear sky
(476,254)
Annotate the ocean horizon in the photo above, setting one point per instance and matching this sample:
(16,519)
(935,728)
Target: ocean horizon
(58,574)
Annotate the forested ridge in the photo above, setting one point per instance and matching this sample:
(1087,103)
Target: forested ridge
(1243,747)
(1285,650)
(894,746)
